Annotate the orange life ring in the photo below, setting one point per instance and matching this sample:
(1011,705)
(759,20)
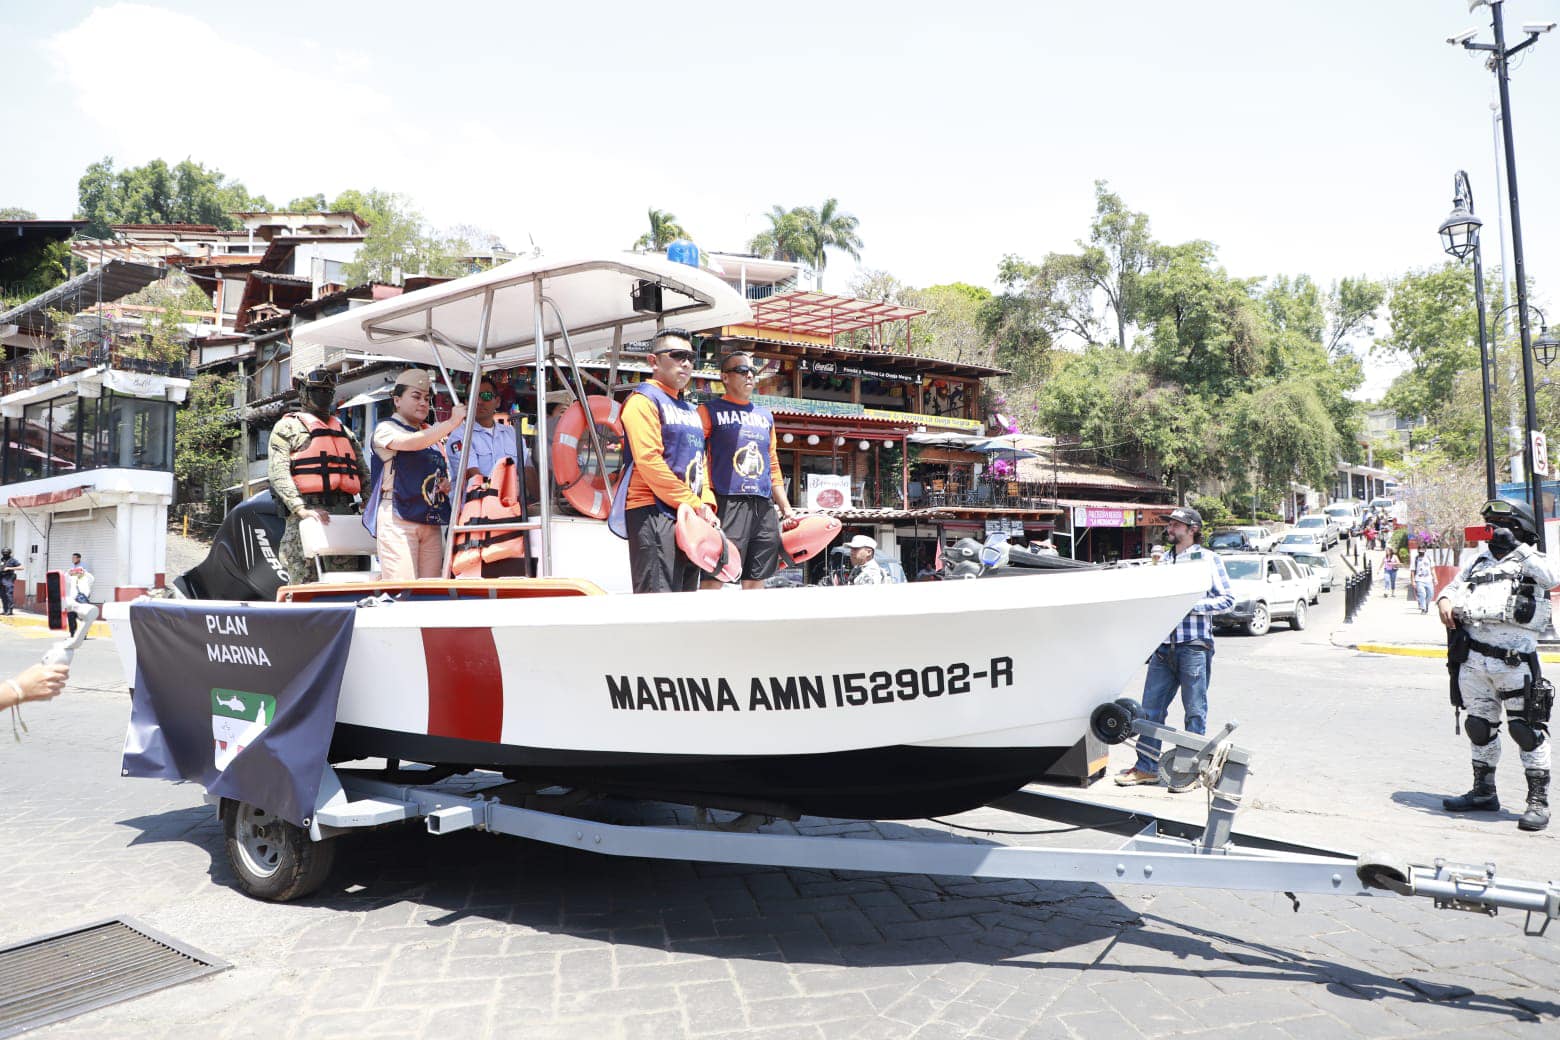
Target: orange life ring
(588,494)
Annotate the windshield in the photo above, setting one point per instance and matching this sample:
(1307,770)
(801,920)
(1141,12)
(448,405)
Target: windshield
(1312,521)
(1296,539)
(1225,539)
(1311,561)
(1238,569)
(1339,511)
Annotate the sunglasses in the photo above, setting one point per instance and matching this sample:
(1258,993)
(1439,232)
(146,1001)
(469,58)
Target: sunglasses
(486,395)
(679,356)
(745,370)
(1498,507)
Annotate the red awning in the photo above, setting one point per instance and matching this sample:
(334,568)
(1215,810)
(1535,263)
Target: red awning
(46,498)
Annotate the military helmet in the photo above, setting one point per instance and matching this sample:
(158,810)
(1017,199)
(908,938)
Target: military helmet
(315,378)
(1503,512)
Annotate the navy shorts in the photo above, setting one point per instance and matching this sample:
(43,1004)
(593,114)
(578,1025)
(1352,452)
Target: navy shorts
(753,526)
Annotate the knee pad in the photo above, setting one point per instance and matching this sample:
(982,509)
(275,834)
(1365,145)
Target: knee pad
(1481,731)
(1527,737)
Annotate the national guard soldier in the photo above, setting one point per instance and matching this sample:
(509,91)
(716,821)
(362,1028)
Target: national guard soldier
(1494,611)
(315,467)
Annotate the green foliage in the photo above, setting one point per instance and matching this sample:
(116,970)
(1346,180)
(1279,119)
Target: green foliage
(204,429)
(177,301)
(156,193)
(16,213)
(1435,329)
(308,204)
(1282,432)
(664,230)
(398,241)
(806,234)
(31,268)
(1215,513)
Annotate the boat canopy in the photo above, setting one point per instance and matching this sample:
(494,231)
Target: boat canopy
(600,299)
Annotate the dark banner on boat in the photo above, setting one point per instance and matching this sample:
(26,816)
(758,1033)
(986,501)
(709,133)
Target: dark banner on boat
(238,698)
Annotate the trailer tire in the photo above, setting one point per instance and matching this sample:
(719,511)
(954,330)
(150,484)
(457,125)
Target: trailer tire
(273,859)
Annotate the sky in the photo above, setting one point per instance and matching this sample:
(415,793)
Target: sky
(1313,137)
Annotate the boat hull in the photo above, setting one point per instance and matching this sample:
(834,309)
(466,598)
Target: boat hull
(876,702)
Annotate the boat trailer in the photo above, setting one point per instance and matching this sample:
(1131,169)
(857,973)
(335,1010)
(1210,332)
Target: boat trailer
(274,859)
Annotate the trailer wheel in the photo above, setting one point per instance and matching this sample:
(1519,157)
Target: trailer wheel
(273,859)
(1112,723)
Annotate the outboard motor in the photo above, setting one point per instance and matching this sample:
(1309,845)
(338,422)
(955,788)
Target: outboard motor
(243,562)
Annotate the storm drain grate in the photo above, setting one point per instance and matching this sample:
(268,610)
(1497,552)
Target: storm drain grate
(58,976)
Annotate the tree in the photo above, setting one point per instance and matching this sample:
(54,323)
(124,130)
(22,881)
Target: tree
(1283,432)
(308,204)
(398,242)
(204,429)
(825,228)
(664,230)
(1207,331)
(782,240)
(1119,253)
(16,213)
(1435,329)
(1351,306)
(156,193)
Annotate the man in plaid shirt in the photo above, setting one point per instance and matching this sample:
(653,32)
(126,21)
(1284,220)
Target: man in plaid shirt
(1184,660)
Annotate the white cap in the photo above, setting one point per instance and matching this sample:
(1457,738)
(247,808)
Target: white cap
(861,541)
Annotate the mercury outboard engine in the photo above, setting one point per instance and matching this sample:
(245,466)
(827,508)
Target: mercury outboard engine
(243,562)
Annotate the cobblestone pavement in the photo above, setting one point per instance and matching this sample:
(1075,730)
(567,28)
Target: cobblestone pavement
(470,935)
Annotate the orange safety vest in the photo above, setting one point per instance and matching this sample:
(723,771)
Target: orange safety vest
(492,500)
(327,461)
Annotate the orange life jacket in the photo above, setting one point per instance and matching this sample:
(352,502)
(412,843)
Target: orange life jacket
(494,500)
(327,462)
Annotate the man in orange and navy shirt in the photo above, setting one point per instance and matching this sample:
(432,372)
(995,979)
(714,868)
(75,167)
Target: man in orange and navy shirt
(666,442)
(745,471)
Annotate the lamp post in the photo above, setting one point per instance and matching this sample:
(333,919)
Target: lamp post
(1499,62)
(1460,237)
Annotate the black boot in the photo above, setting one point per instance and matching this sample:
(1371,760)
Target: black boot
(1481,798)
(1537,816)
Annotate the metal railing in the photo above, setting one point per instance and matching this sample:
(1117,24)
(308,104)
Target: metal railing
(1356,590)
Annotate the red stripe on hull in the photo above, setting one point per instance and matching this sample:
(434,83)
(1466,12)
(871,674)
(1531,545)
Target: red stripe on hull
(465,685)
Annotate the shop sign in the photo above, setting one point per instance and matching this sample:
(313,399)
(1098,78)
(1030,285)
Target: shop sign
(1005,527)
(828,491)
(1098,516)
(920,419)
(797,404)
(839,368)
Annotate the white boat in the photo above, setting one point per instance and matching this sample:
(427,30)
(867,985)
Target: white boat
(874,702)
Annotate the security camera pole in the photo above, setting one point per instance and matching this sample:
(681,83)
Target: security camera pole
(1500,56)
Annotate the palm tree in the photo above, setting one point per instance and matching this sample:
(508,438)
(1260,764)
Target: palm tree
(824,229)
(664,230)
(782,240)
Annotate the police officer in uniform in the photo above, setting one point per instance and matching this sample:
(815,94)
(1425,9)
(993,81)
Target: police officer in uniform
(10,567)
(745,471)
(1494,612)
(315,465)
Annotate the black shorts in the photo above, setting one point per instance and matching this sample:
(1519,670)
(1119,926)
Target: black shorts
(753,526)
(654,561)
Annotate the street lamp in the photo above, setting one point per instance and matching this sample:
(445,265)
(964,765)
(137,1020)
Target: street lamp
(1499,62)
(1460,237)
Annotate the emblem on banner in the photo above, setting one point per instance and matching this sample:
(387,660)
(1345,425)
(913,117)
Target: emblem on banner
(237,719)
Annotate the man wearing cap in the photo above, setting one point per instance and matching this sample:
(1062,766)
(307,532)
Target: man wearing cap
(314,464)
(1184,660)
(865,570)
(409,492)
(745,472)
(10,567)
(1494,611)
(666,447)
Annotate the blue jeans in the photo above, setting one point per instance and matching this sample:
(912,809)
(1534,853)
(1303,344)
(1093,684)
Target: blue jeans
(1423,589)
(1391,577)
(1175,667)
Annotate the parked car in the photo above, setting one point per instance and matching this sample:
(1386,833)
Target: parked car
(1349,516)
(1261,536)
(1301,542)
(1322,525)
(1382,504)
(1313,581)
(1230,540)
(1267,586)
(1320,566)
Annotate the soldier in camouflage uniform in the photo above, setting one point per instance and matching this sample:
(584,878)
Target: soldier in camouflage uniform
(310,449)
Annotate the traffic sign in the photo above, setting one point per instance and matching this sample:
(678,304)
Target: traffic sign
(1540,454)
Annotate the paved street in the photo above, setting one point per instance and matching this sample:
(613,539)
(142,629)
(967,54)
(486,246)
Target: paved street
(470,935)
